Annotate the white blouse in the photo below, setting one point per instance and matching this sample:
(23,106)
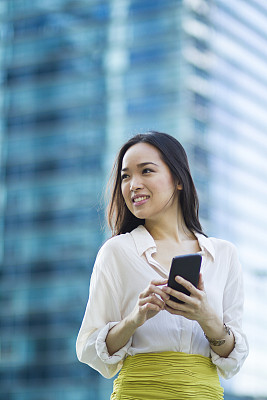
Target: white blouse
(124,267)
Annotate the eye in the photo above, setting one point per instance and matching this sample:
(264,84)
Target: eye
(124,176)
(147,170)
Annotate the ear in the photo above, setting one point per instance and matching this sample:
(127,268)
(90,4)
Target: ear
(180,186)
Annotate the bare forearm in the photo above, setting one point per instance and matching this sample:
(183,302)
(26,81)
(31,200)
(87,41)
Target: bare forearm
(147,306)
(120,334)
(214,329)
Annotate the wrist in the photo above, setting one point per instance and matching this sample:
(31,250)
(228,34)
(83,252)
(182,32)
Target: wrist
(211,324)
(213,327)
(222,340)
(131,321)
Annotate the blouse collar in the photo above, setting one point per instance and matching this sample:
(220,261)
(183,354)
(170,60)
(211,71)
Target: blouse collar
(144,241)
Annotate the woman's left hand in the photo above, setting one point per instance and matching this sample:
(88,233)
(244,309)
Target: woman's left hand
(195,307)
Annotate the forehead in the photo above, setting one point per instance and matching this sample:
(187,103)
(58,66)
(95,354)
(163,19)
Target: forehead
(141,152)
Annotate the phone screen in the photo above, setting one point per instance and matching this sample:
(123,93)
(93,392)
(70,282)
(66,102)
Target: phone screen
(188,267)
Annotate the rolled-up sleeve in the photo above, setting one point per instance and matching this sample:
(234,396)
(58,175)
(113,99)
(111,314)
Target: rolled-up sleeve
(102,313)
(233,300)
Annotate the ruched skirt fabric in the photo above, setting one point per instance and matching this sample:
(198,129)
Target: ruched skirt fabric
(167,375)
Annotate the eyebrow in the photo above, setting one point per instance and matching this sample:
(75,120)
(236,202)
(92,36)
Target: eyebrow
(140,165)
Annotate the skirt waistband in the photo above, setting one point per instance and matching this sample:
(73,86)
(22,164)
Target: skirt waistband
(167,375)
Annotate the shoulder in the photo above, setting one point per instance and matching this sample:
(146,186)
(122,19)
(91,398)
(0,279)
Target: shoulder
(217,248)
(117,243)
(115,249)
(223,245)
(226,254)
(110,259)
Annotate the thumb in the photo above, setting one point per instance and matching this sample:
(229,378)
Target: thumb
(201,283)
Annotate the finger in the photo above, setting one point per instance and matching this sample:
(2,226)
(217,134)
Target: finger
(177,306)
(159,282)
(150,307)
(158,290)
(148,290)
(153,289)
(201,283)
(152,299)
(178,295)
(188,285)
(175,311)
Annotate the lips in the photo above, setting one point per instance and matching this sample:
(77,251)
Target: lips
(140,199)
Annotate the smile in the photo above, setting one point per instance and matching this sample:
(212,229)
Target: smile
(140,200)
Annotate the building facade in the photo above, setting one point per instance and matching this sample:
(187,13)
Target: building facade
(77,79)
(237,149)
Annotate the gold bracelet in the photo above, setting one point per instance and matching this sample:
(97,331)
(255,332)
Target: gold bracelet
(219,342)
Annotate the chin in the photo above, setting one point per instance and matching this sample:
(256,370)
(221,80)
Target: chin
(140,215)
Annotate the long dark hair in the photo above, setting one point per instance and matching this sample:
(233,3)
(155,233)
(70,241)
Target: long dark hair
(120,219)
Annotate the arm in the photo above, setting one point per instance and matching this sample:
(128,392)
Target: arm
(233,300)
(104,338)
(101,314)
(222,341)
(196,308)
(229,357)
(148,305)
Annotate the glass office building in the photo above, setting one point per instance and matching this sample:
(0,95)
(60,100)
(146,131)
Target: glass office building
(237,149)
(77,78)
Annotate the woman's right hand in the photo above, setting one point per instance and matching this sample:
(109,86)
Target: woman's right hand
(150,302)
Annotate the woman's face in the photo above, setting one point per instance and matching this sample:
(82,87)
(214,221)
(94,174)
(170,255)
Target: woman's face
(146,183)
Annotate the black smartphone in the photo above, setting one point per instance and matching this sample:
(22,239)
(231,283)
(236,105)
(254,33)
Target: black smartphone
(188,267)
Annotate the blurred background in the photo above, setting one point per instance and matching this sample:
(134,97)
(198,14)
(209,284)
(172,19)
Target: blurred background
(78,78)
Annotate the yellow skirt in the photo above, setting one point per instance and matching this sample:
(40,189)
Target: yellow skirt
(167,375)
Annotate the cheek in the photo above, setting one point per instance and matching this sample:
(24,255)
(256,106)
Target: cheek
(164,185)
(125,192)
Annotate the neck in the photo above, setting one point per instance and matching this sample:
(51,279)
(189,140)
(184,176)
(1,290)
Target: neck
(173,228)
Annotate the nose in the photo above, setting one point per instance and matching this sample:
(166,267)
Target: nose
(135,184)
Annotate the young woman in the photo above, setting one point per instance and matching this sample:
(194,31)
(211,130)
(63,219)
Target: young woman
(164,349)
